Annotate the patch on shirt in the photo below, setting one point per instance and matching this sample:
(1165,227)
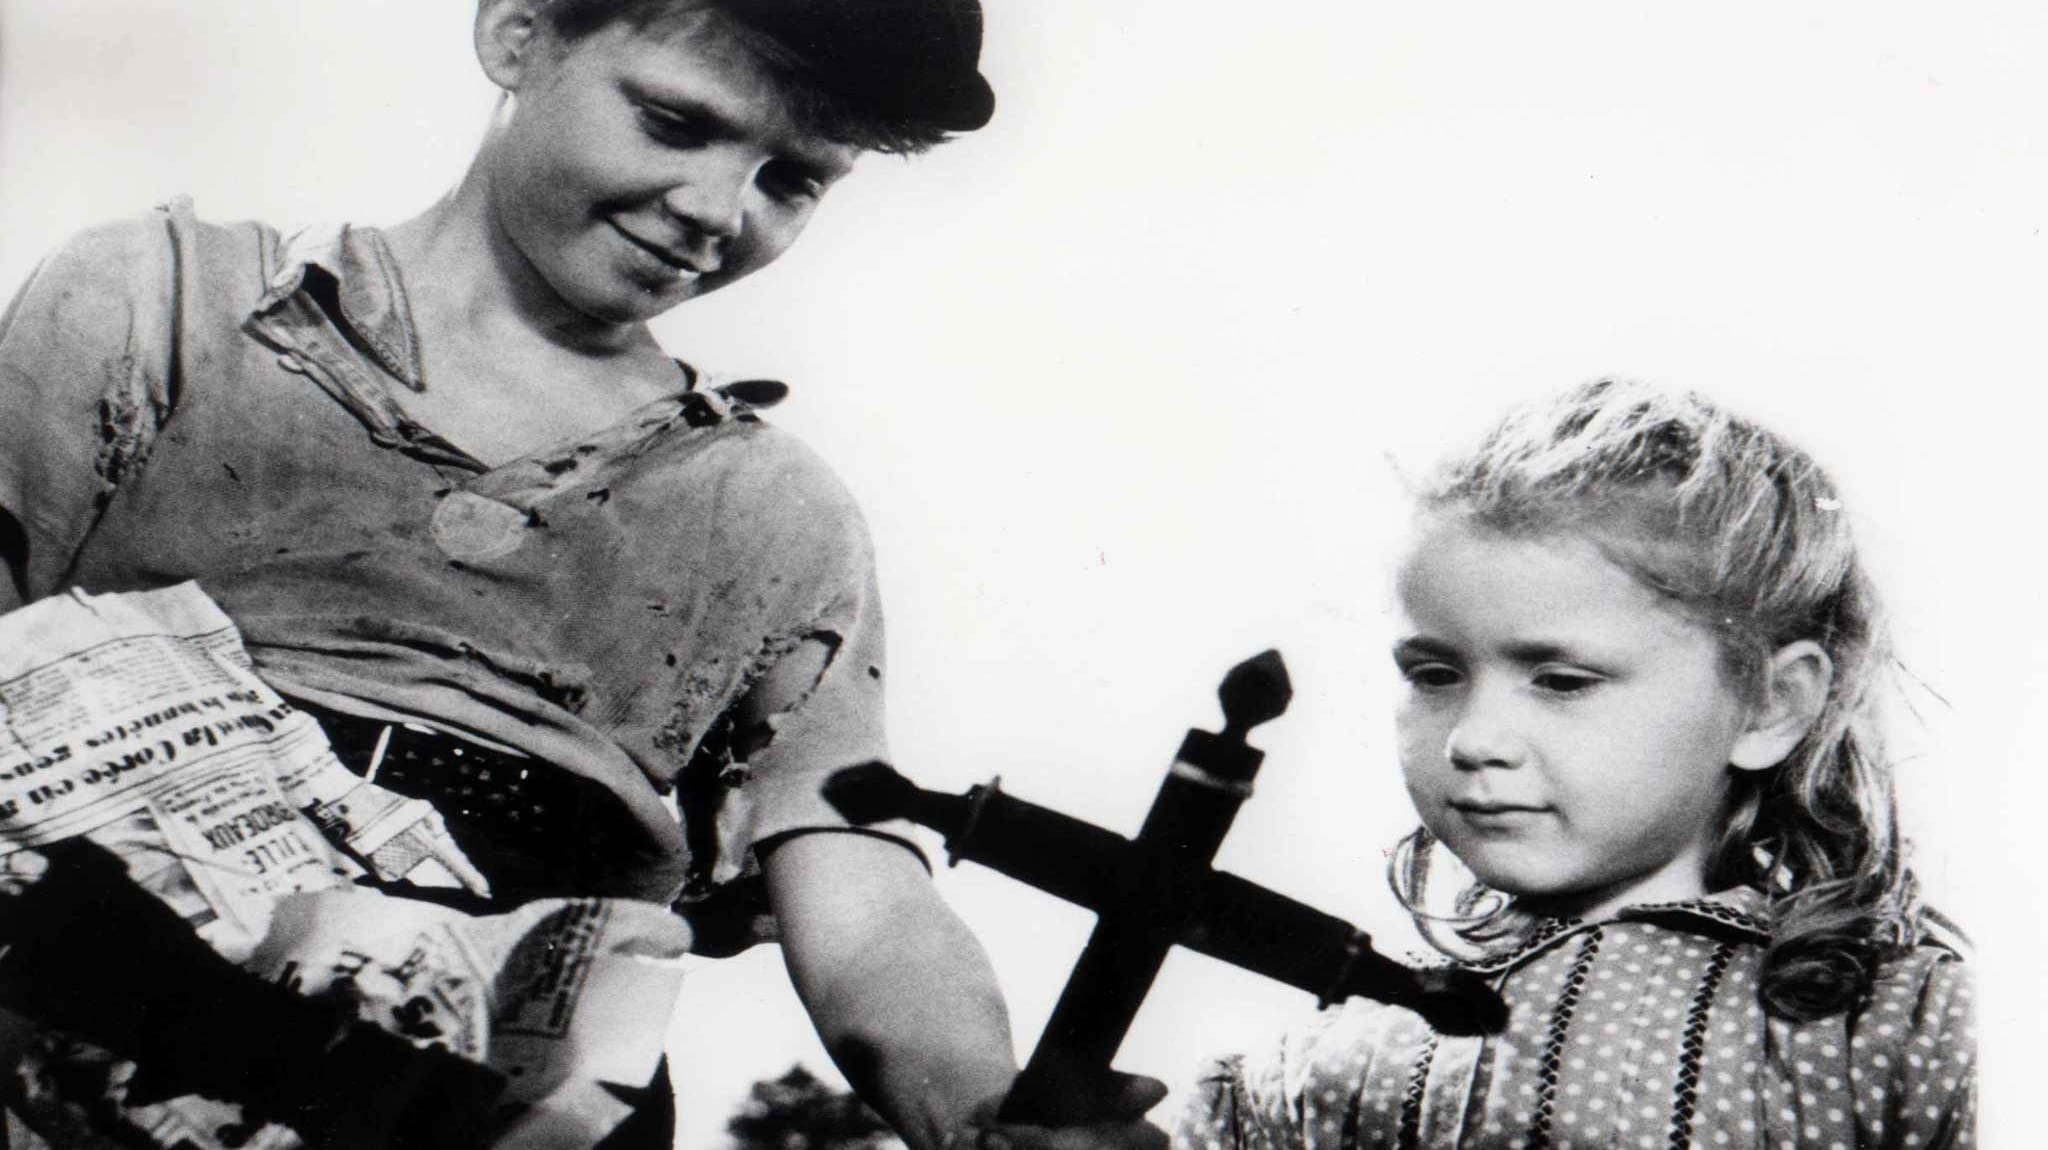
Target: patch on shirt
(471,527)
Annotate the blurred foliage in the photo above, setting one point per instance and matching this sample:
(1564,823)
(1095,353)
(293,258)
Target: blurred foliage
(798,1112)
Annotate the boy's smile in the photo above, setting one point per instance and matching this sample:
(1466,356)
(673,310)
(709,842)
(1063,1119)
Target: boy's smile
(1562,729)
(676,262)
(640,167)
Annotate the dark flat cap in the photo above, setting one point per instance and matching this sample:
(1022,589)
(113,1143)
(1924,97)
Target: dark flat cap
(906,61)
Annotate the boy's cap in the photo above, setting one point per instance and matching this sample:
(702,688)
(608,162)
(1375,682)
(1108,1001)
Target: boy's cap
(910,60)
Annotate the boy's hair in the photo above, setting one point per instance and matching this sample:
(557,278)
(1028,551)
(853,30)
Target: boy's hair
(1746,535)
(896,77)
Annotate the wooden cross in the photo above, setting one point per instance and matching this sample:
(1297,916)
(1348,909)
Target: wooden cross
(1157,891)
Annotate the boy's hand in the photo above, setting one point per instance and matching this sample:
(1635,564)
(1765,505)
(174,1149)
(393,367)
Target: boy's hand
(1119,1123)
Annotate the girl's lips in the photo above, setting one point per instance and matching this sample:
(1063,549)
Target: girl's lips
(1494,807)
(1495,815)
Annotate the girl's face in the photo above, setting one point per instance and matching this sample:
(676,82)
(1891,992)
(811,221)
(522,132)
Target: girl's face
(640,167)
(1563,730)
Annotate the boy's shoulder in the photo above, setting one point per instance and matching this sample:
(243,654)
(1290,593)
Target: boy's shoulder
(752,490)
(173,222)
(155,257)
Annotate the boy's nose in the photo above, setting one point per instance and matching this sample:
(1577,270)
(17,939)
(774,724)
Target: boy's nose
(1482,737)
(714,199)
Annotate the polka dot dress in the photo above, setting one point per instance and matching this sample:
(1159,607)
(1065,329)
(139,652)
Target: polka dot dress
(1643,1031)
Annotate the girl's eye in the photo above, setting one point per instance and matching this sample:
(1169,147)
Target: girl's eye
(1565,682)
(1432,676)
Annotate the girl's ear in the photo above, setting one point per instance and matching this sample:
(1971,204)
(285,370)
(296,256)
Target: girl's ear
(508,34)
(1796,682)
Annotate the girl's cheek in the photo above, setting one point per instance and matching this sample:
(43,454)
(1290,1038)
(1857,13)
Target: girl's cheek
(1420,719)
(1422,789)
(1416,745)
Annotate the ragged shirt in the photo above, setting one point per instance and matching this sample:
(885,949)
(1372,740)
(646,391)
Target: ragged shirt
(183,400)
(1641,1031)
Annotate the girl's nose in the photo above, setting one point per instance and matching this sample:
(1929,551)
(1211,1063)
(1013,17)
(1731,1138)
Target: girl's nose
(1484,737)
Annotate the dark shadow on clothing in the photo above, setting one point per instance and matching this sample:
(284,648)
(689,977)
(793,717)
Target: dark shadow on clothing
(13,568)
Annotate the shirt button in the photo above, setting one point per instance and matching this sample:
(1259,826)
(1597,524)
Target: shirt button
(291,363)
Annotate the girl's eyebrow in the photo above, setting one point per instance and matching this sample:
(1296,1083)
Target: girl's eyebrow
(1423,647)
(1541,651)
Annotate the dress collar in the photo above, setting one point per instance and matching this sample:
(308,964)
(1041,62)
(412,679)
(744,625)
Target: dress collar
(1740,913)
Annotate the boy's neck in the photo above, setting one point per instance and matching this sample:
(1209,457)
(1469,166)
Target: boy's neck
(463,274)
(504,373)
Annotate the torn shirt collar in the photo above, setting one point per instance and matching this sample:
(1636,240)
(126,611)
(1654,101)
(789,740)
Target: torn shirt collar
(353,275)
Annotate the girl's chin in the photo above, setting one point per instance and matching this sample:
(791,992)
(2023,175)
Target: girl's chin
(1538,893)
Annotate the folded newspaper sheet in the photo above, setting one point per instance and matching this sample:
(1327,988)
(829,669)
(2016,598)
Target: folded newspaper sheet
(135,721)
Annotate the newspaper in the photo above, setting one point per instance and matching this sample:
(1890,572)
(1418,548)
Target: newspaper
(136,721)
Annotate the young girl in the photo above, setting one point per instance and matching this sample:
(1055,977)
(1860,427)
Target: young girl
(1640,660)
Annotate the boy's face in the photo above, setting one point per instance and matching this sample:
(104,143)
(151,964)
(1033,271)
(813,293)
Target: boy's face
(1564,731)
(643,167)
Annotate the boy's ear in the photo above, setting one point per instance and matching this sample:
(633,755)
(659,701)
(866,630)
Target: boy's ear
(1796,682)
(508,34)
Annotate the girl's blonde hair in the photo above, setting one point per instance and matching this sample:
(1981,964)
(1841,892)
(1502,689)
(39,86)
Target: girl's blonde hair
(1745,534)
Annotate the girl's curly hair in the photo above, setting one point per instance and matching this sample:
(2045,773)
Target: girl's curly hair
(1745,534)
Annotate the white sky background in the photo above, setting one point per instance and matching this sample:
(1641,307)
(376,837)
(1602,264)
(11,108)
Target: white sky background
(1118,378)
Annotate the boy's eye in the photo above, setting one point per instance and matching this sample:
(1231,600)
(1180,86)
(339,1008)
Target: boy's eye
(674,129)
(786,181)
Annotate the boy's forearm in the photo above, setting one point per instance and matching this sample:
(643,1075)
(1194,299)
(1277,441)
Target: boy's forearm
(924,1030)
(900,991)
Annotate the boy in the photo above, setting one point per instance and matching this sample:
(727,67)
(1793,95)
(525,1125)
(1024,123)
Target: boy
(462,505)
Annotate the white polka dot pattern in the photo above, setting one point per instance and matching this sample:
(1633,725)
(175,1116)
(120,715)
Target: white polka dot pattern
(1664,1046)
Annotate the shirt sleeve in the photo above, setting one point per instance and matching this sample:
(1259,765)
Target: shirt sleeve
(1297,1092)
(1914,1056)
(822,712)
(1221,1112)
(794,550)
(85,383)
(1333,1081)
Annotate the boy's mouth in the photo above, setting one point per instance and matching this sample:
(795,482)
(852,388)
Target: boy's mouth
(682,265)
